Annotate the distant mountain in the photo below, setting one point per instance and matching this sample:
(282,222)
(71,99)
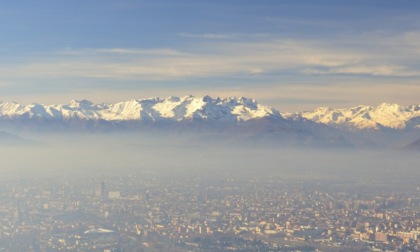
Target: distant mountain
(12,139)
(207,109)
(239,120)
(415,146)
(177,109)
(384,116)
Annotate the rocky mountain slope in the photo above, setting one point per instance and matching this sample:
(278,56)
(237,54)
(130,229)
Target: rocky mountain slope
(190,108)
(177,109)
(384,116)
(229,119)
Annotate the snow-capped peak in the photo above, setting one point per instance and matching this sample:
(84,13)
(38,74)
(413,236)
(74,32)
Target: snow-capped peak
(172,108)
(232,109)
(384,115)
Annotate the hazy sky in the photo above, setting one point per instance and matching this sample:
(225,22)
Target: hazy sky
(292,55)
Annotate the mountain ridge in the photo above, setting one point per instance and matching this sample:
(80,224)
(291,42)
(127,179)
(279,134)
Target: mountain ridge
(154,109)
(229,120)
(383,116)
(206,109)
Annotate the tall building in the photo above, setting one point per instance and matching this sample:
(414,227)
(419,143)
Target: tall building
(17,216)
(100,191)
(203,189)
(147,196)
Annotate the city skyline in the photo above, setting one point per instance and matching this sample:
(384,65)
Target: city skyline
(289,55)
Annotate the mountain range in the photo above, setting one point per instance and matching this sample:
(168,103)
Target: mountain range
(390,116)
(187,108)
(216,118)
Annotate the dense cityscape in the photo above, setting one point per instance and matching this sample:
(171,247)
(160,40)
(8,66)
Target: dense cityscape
(150,212)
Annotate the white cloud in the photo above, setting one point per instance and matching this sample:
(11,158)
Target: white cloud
(120,51)
(209,35)
(158,64)
(369,69)
(376,70)
(371,54)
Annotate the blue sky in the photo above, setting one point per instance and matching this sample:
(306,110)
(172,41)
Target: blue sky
(293,55)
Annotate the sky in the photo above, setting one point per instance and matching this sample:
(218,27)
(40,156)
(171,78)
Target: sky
(290,54)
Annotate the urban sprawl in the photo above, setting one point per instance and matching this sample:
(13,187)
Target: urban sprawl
(147,212)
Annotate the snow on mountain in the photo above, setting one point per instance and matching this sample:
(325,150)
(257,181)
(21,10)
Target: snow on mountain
(392,116)
(188,108)
(14,110)
(228,110)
